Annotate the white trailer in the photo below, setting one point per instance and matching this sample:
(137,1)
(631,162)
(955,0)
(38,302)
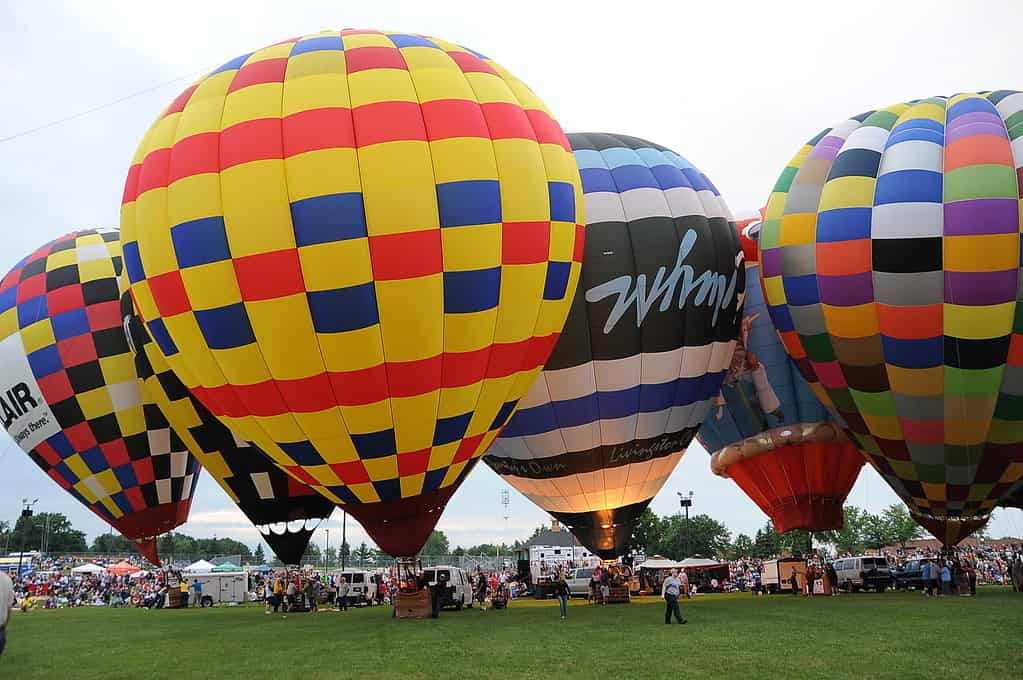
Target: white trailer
(223,587)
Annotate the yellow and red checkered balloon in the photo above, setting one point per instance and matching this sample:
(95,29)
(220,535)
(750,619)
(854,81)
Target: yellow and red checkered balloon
(357,249)
(71,398)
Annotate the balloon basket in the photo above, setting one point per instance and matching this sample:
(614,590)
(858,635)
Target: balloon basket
(415,605)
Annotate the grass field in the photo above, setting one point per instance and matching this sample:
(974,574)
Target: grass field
(891,635)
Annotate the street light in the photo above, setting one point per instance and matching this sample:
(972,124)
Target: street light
(686,502)
(26,515)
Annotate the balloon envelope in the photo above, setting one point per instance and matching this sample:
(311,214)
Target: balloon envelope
(357,249)
(71,397)
(260,489)
(645,347)
(768,432)
(891,260)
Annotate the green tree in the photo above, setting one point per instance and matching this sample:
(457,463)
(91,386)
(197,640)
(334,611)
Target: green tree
(344,554)
(850,538)
(899,524)
(646,532)
(795,541)
(436,545)
(705,536)
(363,554)
(742,547)
(259,556)
(312,555)
(765,543)
(458,551)
(875,531)
(61,536)
(111,544)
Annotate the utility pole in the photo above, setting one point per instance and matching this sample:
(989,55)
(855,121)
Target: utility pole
(686,502)
(344,538)
(26,515)
(44,544)
(326,554)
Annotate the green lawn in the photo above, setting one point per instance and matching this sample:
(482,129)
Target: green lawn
(892,635)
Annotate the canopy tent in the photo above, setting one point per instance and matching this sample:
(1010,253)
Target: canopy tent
(261,569)
(700,563)
(225,567)
(122,568)
(200,567)
(89,568)
(658,562)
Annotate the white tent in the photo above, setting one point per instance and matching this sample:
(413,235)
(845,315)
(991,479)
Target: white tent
(89,568)
(699,563)
(658,562)
(200,567)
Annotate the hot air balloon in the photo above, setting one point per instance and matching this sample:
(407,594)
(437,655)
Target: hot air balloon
(285,511)
(357,249)
(644,350)
(71,398)
(768,432)
(890,262)
(1014,499)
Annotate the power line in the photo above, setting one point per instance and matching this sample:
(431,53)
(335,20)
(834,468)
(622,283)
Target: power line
(94,109)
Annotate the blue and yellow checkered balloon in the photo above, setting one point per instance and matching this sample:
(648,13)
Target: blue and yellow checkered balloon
(357,249)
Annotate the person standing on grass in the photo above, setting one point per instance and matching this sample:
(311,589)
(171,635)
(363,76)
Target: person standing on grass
(683,578)
(342,594)
(197,593)
(671,588)
(184,592)
(561,592)
(971,576)
(794,581)
(925,575)
(6,607)
(946,578)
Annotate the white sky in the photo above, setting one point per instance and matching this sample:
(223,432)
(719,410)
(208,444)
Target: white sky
(736,87)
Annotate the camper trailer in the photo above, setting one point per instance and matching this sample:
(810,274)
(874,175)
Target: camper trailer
(775,574)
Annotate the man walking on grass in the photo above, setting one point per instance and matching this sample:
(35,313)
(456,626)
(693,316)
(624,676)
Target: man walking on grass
(670,590)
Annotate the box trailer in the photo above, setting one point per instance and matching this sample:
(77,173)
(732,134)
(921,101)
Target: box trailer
(225,587)
(775,574)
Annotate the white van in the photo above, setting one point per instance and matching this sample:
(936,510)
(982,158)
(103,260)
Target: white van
(863,572)
(578,581)
(362,586)
(459,592)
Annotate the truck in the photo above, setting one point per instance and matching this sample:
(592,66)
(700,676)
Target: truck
(775,574)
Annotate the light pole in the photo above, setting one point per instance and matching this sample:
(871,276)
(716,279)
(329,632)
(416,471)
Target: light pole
(686,502)
(344,539)
(326,555)
(26,515)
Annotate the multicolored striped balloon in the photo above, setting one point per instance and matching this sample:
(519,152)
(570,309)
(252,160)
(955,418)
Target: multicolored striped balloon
(767,431)
(891,263)
(357,249)
(70,396)
(645,348)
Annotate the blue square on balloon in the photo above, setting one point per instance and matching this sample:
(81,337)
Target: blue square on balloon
(433,479)
(8,299)
(562,198)
(45,361)
(402,40)
(503,414)
(324,219)
(450,429)
(132,261)
(201,241)
(557,280)
(234,64)
(303,453)
(375,444)
(125,476)
(343,309)
(345,494)
(65,473)
(95,460)
(475,201)
(122,501)
(32,310)
(801,290)
(225,327)
(388,489)
(471,291)
(469,465)
(61,445)
(158,331)
(597,180)
(70,324)
(319,43)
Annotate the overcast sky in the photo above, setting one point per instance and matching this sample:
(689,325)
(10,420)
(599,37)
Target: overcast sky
(736,87)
